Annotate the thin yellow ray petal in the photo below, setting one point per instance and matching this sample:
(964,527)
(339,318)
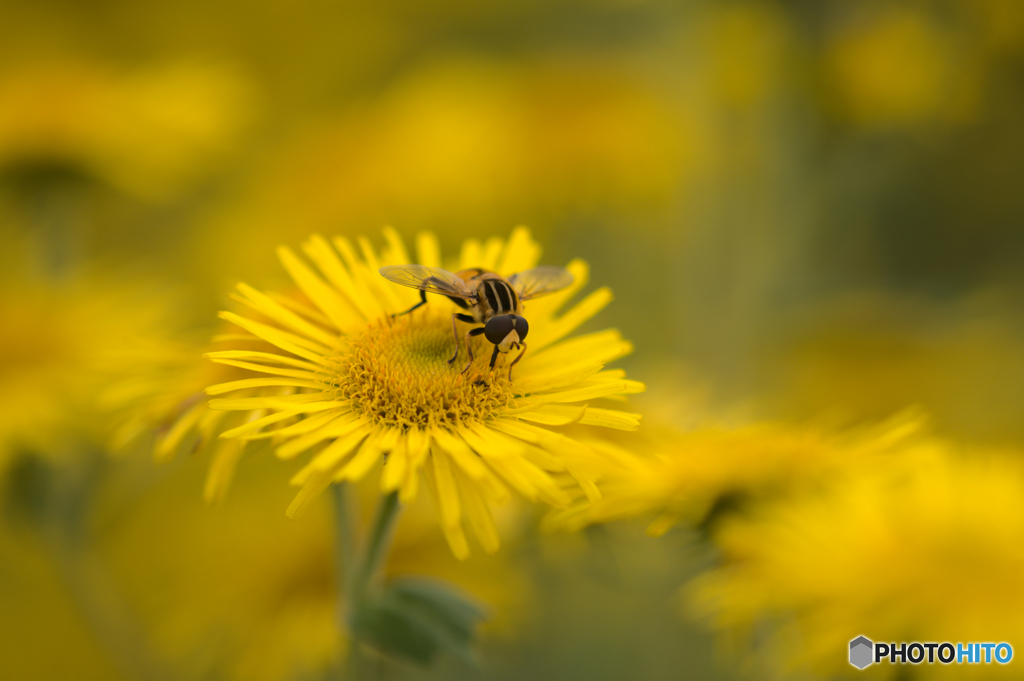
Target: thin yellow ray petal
(447,494)
(611,418)
(255,424)
(306,425)
(599,343)
(368,282)
(588,392)
(543,309)
(395,466)
(371,453)
(222,388)
(170,441)
(234,338)
(562,326)
(521,252)
(492,251)
(335,456)
(263,402)
(529,480)
(263,357)
(395,253)
(464,457)
(326,258)
(392,295)
(222,470)
(512,465)
(470,462)
(428,252)
(570,451)
(496,440)
(470,255)
(586,483)
(541,382)
(478,514)
(300,308)
(453,534)
(418,441)
(322,295)
(410,487)
(210,422)
(663,523)
(418,447)
(369,253)
(348,254)
(265,305)
(343,425)
(265,369)
(281,416)
(554,414)
(303,347)
(313,487)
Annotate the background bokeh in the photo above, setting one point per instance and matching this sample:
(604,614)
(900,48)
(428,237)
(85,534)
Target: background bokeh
(809,211)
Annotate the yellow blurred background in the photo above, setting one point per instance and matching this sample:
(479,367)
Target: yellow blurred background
(810,212)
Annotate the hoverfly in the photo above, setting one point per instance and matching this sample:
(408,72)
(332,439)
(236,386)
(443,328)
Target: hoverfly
(487,297)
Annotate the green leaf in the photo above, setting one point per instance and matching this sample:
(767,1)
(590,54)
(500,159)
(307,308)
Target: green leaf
(417,618)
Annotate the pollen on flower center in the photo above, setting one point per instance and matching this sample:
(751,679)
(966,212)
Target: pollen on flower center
(397,373)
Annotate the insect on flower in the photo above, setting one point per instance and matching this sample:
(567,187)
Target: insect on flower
(488,298)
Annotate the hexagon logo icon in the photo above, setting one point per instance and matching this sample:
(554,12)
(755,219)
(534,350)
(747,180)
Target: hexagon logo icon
(861,652)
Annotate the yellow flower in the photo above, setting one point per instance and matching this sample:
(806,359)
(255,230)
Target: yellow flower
(360,386)
(165,402)
(898,68)
(922,548)
(150,132)
(64,343)
(682,476)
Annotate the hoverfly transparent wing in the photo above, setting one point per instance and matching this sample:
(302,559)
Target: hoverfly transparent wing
(540,281)
(430,279)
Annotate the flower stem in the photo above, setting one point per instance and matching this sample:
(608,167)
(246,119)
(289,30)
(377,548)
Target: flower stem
(344,548)
(378,543)
(355,573)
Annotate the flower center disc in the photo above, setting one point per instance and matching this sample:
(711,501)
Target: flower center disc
(397,373)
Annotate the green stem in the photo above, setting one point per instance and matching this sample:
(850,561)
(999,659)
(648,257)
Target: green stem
(355,573)
(379,543)
(344,548)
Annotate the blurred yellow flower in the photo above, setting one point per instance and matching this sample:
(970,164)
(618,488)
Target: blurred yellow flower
(919,548)
(348,377)
(150,132)
(867,354)
(64,344)
(683,475)
(897,67)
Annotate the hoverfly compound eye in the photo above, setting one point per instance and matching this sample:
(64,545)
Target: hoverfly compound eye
(497,328)
(522,327)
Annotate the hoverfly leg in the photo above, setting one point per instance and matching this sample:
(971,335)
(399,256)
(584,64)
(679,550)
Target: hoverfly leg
(469,348)
(423,301)
(515,361)
(455,333)
(494,359)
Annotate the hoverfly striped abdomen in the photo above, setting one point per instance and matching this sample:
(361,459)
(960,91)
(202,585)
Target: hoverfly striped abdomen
(498,296)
